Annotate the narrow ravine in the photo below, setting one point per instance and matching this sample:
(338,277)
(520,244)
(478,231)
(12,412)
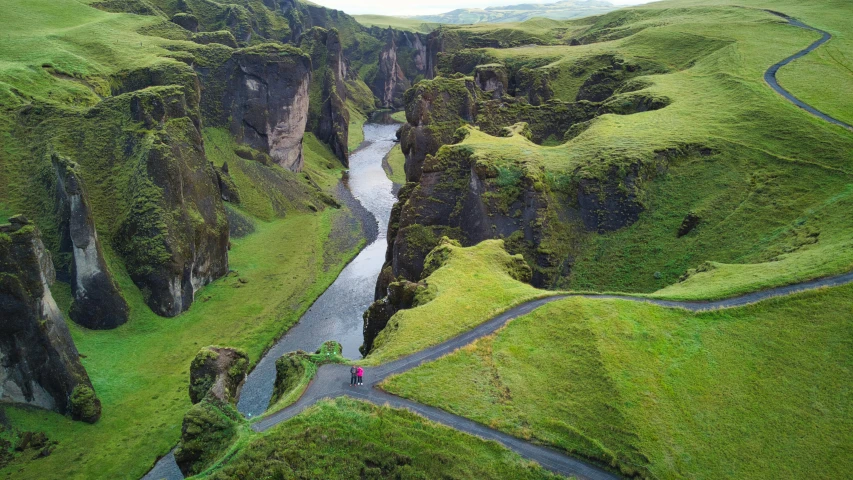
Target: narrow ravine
(337,313)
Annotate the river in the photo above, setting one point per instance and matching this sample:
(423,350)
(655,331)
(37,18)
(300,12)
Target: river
(337,313)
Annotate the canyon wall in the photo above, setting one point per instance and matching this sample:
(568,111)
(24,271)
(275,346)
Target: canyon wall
(39,364)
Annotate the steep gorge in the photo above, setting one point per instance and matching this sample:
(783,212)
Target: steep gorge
(119,179)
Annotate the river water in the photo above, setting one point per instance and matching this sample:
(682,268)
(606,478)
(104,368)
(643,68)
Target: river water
(337,313)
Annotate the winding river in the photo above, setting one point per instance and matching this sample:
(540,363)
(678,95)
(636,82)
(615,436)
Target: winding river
(337,313)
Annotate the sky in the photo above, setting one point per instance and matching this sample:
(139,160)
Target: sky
(421,7)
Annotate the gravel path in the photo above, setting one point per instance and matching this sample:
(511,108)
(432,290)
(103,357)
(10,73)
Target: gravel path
(770,74)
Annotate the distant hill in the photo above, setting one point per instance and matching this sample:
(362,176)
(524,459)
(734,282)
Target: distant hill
(519,13)
(410,24)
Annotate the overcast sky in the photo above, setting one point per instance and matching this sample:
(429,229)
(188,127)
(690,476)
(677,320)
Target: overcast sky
(422,7)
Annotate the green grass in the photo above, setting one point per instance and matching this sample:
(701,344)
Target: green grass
(357,119)
(5,213)
(471,287)
(832,63)
(397,23)
(63,51)
(396,161)
(141,370)
(399,116)
(345,438)
(664,391)
(774,192)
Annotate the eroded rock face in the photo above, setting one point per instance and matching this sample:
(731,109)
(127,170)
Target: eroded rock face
(174,234)
(328,114)
(206,431)
(609,204)
(492,78)
(261,94)
(434,110)
(98,302)
(391,82)
(219,372)
(400,296)
(39,364)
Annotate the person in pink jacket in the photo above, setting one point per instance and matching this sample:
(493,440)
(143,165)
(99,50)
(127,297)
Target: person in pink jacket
(360,374)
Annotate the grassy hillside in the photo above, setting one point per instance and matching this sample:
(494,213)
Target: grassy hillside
(473,285)
(350,439)
(63,68)
(754,392)
(140,370)
(395,168)
(770,183)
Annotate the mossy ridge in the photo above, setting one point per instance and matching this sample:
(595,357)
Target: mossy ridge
(639,155)
(390,441)
(485,272)
(295,370)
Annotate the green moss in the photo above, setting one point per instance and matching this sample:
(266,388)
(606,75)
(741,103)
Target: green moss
(208,429)
(289,371)
(85,405)
(345,438)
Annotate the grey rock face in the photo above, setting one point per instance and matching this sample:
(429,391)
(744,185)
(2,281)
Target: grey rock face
(262,95)
(492,78)
(98,303)
(39,364)
(328,119)
(391,81)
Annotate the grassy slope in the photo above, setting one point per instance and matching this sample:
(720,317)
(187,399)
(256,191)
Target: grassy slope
(74,40)
(779,178)
(832,63)
(470,288)
(398,23)
(140,370)
(762,386)
(396,160)
(350,439)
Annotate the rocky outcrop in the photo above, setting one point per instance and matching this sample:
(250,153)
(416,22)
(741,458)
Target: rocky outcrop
(434,110)
(400,296)
(291,368)
(39,364)
(227,188)
(492,78)
(218,372)
(261,94)
(216,376)
(173,234)
(391,82)
(610,203)
(208,428)
(328,114)
(456,193)
(98,302)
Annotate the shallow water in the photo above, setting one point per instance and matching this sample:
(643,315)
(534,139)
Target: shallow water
(337,313)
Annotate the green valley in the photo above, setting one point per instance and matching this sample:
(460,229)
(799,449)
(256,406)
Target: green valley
(269,239)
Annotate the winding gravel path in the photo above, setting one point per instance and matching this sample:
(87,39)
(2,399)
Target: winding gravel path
(331,381)
(770,74)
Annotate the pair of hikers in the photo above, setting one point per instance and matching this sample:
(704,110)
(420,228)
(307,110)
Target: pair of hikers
(356,374)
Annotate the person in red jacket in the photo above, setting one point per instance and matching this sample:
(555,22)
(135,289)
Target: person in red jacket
(360,374)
